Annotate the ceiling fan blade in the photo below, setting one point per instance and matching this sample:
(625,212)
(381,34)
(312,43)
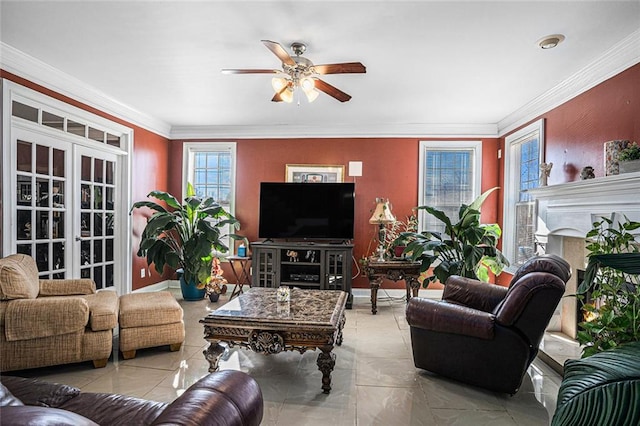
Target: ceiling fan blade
(276,98)
(249,71)
(342,68)
(330,90)
(280,52)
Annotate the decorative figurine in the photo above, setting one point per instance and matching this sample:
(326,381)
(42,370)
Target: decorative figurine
(587,173)
(545,171)
(292,255)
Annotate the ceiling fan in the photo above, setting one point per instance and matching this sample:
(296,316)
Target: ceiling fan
(300,72)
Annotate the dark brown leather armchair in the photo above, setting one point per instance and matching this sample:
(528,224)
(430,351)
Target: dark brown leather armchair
(484,334)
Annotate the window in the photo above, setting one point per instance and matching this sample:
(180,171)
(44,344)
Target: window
(450,174)
(210,167)
(524,150)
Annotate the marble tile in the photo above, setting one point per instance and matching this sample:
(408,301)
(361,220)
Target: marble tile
(445,416)
(160,357)
(132,381)
(386,372)
(378,405)
(448,394)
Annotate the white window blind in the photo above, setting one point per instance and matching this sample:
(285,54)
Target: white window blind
(524,155)
(449,177)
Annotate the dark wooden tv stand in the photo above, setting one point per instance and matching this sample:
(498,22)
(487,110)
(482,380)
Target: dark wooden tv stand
(306,265)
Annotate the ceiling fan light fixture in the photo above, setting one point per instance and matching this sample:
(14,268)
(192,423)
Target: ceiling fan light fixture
(279,83)
(307,84)
(286,94)
(312,95)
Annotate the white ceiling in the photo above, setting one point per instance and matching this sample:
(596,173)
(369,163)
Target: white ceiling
(461,67)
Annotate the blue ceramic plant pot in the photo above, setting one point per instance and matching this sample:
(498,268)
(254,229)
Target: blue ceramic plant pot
(189,290)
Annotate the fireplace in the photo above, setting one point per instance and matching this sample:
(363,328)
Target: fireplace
(566,213)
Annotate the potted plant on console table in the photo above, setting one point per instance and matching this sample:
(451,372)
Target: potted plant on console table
(184,237)
(466,248)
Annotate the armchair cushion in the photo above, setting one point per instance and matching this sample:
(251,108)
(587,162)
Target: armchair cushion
(443,317)
(66,287)
(7,399)
(473,293)
(524,290)
(544,263)
(103,310)
(33,318)
(18,277)
(29,416)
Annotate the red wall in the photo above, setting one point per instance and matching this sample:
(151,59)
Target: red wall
(575,131)
(149,168)
(389,170)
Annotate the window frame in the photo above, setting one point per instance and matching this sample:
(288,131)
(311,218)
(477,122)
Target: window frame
(188,151)
(511,189)
(440,145)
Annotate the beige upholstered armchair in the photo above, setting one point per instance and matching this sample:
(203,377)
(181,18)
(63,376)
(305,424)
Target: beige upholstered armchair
(50,322)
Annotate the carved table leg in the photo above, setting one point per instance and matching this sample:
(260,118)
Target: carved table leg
(212,354)
(326,362)
(375,285)
(340,327)
(414,284)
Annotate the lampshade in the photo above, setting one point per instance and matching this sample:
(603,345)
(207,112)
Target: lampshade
(311,94)
(307,84)
(279,83)
(382,213)
(287,95)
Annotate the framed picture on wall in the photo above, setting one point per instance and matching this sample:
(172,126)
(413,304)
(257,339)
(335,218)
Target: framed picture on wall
(314,173)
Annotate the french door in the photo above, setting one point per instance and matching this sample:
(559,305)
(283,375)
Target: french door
(95,219)
(67,211)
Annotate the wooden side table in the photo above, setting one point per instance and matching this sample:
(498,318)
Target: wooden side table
(241,269)
(394,270)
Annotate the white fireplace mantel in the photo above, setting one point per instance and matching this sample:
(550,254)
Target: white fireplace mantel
(569,209)
(566,213)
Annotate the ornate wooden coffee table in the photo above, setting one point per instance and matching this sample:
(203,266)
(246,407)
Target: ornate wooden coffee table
(313,319)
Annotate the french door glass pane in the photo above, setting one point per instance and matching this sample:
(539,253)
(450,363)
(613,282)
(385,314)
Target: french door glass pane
(40,211)
(97,194)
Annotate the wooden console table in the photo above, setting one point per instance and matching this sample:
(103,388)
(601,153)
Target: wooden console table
(394,270)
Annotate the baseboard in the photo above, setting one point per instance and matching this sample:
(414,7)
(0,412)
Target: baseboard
(162,285)
(396,293)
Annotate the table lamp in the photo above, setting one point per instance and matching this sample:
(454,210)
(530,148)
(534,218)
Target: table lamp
(382,216)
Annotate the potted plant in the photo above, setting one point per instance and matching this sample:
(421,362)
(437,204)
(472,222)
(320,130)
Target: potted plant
(613,278)
(184,236)
(629,158)
(216,284)
(466,248)
(393,246)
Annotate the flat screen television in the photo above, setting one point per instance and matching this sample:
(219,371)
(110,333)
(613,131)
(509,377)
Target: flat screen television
(306,211)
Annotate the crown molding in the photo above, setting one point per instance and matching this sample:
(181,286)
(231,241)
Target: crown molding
(19,63)
(411,130)
(621,56)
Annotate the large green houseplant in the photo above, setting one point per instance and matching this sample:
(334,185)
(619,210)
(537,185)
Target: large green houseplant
(613,277)
(466,248)
(185,235)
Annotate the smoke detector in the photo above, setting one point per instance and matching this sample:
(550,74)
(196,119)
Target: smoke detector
(550,41)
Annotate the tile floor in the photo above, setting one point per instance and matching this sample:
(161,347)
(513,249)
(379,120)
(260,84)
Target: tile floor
(374,381)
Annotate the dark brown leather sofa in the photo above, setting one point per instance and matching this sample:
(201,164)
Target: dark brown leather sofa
(222,398)
(484,334)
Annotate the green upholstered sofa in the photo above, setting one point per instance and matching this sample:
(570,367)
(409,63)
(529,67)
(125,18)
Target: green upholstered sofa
(603,389)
